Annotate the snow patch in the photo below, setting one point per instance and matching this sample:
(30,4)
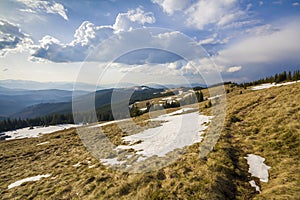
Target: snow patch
(108,123)
(257,168)
(143,109)
(172,134)
(77,164)
(42,143)
(180,111)
(29,179)
(36,131)
(112,161)
(92,166)
(167,98)
(214,97)
(253,184)
(269,85)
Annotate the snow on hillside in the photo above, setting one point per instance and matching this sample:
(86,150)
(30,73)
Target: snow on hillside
(178,130)
(36,131)
(107,123)
(269,85)
(258,169)
(29,179)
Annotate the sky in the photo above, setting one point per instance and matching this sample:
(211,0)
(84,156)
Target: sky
(154,41)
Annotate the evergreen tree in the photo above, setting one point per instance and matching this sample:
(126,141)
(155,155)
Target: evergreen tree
(199,96)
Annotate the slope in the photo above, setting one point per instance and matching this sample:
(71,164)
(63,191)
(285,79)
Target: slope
(263,122)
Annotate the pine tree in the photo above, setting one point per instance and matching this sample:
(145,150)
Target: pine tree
(199,96)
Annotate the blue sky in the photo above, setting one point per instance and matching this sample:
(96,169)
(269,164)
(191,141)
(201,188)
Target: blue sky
(52,40)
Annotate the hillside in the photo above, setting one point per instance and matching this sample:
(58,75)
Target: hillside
(263,122)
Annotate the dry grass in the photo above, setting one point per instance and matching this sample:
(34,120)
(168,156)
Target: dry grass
(263,122)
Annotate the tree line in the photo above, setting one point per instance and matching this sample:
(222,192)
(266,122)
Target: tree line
(277,78)
(13,124)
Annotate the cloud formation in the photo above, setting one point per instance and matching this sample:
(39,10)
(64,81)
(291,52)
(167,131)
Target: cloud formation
(281,45)
(234,69)
(206,12)
(170,6)
(135,18)
(12,38)
(40,6)
(200,13)
(88,36)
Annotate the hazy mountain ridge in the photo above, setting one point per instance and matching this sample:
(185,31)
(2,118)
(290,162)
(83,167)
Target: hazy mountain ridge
(15,100)
(102,98)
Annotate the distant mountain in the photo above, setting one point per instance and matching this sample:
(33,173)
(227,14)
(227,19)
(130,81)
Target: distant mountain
(192,85)
(33,85)
(15,100)
(102,98)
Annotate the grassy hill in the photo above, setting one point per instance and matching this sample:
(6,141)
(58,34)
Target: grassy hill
(264,122)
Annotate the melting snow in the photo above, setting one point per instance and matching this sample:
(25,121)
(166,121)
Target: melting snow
(167,98)
(253,184)
(257,167)
(143,109)
(214,97)
(34,178)
(91,166)
(107,123)
(269,85)
(36,131)
(77,164)
(47,142)
(177,131)
(112,161)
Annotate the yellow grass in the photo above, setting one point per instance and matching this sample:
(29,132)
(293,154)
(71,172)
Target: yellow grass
(263,122)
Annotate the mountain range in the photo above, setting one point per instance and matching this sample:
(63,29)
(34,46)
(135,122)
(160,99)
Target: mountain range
(17,103)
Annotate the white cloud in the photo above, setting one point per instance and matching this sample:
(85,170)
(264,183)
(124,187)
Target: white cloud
(12,39)
(213,40)
(133,19)
(28,10)
(200,13)
(243,23)
(206,12)
(40,6)
(261,49)
(88,36)
(296,4)
(170,6)
(260,30)
(230,17)
(234,69)
(281,45)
